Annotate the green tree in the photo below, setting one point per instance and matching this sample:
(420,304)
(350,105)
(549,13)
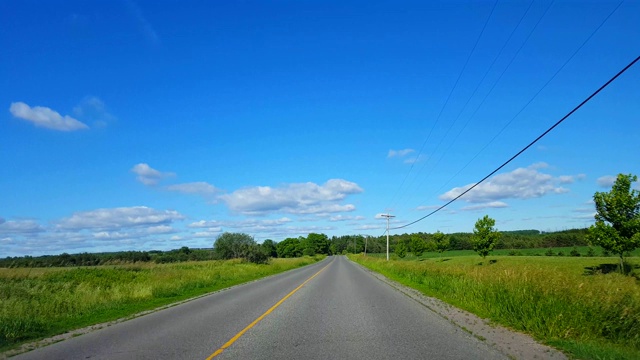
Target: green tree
(233,245)
(317,244)
(417,245)
(269,248)
(401,249)
(617,227)
(484,236)
(289,248)
(442,241)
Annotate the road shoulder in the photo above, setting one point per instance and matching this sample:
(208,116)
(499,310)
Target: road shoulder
(513,344)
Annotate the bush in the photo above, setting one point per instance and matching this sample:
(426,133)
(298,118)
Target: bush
(549,252)
(401,250)
(256,255)
(574,252)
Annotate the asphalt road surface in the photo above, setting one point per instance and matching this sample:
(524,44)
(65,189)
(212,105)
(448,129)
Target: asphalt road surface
(341,312)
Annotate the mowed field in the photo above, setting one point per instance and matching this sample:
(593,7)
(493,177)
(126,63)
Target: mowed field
(40,302)
(578,304)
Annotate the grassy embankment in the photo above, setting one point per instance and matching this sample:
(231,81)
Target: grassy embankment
(40,302)
(566,302)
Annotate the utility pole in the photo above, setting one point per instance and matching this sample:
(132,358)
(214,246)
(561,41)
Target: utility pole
(388,216)
(365,245)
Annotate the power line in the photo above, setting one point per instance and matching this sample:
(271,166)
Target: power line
(478,86)
(449,96)
(528,102)
(526,147)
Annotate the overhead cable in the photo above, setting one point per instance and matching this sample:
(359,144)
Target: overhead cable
(449,96)
(528,146)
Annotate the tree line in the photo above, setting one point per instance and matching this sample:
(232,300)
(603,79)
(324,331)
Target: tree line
(244,246)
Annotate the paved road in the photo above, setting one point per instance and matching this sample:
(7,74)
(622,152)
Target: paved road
(341,313)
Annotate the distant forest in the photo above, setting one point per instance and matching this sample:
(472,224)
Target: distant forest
(312,244)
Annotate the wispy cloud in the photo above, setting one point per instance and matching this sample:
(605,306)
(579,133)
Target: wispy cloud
(145,26)
(197,188)
(45,117)
(492,204)
(414,159)
(399,153)
(93,109)
(148,175)
(606,181)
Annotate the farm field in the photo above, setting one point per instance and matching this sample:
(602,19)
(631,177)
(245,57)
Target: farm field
(577,304)
(40,302)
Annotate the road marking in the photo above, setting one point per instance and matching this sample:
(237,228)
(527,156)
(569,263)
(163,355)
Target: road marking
(238,335)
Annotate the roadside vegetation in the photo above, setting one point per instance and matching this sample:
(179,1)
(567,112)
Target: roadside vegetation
(581,305)
(41,302)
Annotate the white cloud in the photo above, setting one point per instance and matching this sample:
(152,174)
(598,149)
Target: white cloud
(213,232)
(570,179)
(521,183)
(175,238)
(399,153)
(492,204)
(45,117)
(606,181)
(198,188)
(251,225)
(14,227)
(298,198)
(148,175)
(346,218)
(118,218)
(160,229)
(539,165)
(111,235)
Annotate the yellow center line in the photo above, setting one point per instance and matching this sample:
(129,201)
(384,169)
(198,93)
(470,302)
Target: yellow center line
(238,335)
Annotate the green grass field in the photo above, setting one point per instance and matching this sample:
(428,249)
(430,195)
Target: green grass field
(40,302)
(554,251)
(578,304)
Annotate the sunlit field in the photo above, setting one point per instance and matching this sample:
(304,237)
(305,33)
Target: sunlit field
(40,302)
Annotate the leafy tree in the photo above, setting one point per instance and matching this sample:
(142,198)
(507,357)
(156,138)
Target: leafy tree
(317,244)
(289,247)
(417,245)
(484,236)
(269,248)
(617,227)
(442,241)
(401,249)
(233,245)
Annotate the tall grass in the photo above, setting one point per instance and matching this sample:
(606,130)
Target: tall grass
(36,303)
(558,300)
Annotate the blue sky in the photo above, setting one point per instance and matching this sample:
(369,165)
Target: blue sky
(137,125)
